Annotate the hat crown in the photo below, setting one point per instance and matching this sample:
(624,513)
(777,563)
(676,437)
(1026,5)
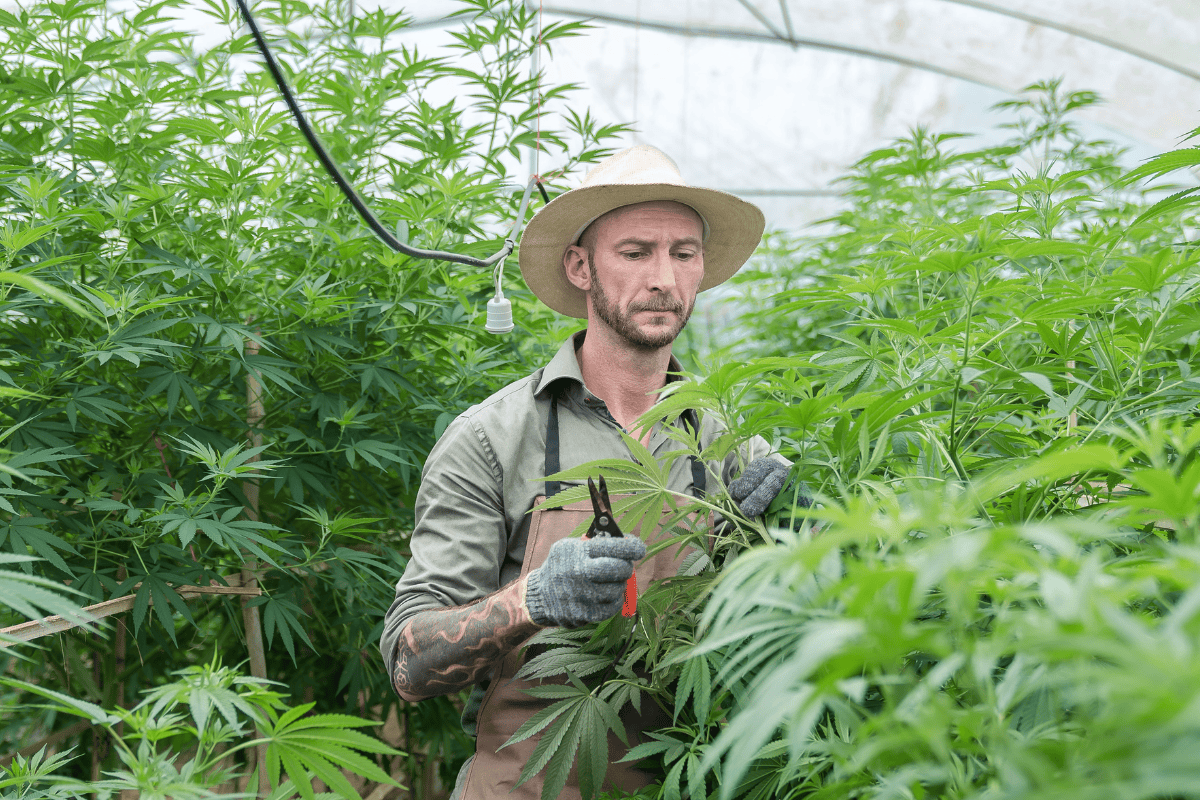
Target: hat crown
(640,164)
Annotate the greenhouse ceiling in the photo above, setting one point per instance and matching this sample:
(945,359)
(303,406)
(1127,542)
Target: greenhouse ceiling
(772,99)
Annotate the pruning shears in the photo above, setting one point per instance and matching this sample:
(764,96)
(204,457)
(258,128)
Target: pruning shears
(605,524)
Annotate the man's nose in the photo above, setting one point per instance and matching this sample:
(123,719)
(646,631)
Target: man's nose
(662,272)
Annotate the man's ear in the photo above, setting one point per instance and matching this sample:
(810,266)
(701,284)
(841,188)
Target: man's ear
(575,264)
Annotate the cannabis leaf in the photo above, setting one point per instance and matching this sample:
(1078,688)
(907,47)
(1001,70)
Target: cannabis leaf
(321,745)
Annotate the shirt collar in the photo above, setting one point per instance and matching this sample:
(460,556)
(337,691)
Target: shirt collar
(565,366)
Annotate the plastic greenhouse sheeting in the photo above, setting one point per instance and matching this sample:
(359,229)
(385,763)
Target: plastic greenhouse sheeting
(772,99)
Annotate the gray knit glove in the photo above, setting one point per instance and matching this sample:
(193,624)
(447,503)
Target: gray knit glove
(758,485)
(582,581)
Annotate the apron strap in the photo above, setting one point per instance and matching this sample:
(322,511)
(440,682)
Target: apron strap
(699,477)
(552,487)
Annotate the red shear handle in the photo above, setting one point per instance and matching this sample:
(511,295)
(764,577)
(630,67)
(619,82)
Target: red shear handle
(630,606)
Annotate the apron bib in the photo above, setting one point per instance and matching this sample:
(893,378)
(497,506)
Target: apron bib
(493,772)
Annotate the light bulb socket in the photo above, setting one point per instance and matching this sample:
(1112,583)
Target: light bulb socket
(499,315)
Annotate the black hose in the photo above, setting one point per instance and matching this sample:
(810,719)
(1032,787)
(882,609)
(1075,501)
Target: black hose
(349,191)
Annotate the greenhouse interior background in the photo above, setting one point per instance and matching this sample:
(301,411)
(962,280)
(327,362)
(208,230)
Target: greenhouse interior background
(772,100)
(218,389)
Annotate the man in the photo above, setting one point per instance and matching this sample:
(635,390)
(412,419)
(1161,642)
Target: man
(628,251)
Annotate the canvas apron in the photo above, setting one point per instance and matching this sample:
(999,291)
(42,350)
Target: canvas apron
(493,772)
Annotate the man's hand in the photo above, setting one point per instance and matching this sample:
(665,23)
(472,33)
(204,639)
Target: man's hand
(447,649)
(758,485)
(582,581)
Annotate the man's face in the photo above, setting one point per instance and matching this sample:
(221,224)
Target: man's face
(645,264)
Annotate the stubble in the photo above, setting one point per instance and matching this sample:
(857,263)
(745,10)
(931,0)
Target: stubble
(622,321)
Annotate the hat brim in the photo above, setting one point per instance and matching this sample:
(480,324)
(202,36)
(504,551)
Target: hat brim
(735,228)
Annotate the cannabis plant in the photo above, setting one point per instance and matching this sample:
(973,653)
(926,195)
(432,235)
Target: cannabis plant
(180,740)
(216,382)
(987,377)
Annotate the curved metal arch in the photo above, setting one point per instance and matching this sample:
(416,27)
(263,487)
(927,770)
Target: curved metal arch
(791,39)
(787,18)
(815,44)
(1073,31)
(766,23)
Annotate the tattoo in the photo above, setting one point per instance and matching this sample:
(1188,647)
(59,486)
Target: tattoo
(447,649)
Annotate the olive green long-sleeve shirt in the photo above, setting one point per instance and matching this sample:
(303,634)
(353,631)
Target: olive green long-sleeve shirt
(483,475)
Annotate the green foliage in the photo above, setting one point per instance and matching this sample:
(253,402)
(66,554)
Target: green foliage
(986,369)
(323,744)
(914,644)
(35,778)
(209,365)
(168,754)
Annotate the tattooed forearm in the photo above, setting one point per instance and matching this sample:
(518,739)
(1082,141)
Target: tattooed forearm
(447,649)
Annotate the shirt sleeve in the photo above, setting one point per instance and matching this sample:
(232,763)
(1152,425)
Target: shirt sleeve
(459,537)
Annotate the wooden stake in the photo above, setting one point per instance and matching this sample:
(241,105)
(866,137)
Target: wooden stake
(119,644)
(100,742)
(35,629)
(250,616)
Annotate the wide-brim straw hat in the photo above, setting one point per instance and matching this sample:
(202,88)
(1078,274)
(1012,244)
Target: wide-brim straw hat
(638,174)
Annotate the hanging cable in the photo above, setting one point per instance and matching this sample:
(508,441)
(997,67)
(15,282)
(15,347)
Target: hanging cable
(356,200)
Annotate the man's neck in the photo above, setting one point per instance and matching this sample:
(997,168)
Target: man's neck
(628,380)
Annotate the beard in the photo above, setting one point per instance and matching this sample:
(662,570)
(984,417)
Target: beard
(621,320)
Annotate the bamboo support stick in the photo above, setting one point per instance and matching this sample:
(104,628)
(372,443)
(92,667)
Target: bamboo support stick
(119,652)
(46,626)
(100,743)
(255,646)
(35,629)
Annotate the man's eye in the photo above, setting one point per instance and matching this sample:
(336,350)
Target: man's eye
(634,254)
(685,255)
